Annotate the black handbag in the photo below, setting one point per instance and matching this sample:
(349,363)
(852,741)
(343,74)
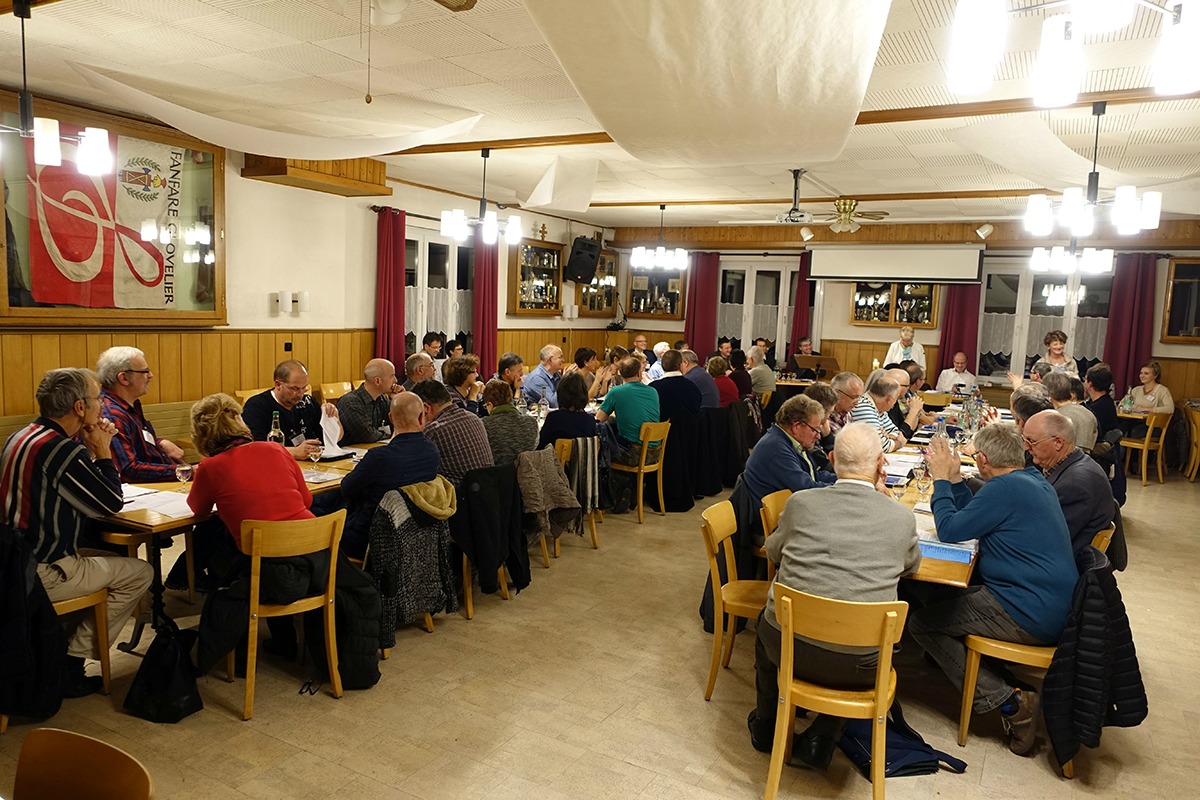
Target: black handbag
(906,752)
(164,689)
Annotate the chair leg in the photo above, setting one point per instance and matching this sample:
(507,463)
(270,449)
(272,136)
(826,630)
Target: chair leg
(503,577)
(782,745)
(385,653)
(662,504)
(718,638)
(557,547)
(600,516)
(251,666)
(970,676)
(3,723)
(729,640)
(331,656)
(1160,464)
(1068,769)
(428,622)
(641,487)
(101,611)
(1145,457)
(878,752)
(595,536)
(190,561)
(229,666)
(468,601)
(545,551)
(132,550)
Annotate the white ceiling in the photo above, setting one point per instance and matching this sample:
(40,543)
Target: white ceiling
(301,66)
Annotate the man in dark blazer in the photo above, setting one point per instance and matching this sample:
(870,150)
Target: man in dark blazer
(677,396)
(1082,487)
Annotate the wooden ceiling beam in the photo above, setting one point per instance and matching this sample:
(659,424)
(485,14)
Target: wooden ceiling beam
(563,140)
(971,194)
(6,6)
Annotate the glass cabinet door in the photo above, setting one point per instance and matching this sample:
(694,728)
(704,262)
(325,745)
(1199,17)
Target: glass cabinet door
(535,278)
(872,304)
(656,294)
(599,298)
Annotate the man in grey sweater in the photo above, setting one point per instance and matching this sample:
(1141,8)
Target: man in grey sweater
(847,542)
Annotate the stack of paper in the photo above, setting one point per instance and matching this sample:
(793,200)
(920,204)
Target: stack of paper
(317,476)
(169,504)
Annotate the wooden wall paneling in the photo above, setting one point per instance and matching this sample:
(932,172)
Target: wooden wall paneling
(190,345)
(345,354)
(72,349)
(231,370)
(313,355)
(148,344)
(45,355)
(97,343)
(266,361)
(329,360)
(210,365)
(248,365)
(17,352)
(364,345)
(169,368)
(1181,376)
(857,356)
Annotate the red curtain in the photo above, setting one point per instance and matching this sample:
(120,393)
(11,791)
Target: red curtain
(484,324)
(389,284)
(960,329)
(801,308)
(1130,317)
(700,323)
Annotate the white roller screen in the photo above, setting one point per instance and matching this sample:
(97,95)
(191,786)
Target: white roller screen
(944,264)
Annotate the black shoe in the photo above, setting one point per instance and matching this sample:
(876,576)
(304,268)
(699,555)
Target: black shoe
(755,742)
(814,751)
(76,683)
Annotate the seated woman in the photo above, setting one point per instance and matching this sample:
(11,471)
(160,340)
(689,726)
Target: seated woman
(608,376)
(739,375)
(726,389)
(1151,397)
(461,376)
(509,431)
(569,421)
(1056,357)
(585,366)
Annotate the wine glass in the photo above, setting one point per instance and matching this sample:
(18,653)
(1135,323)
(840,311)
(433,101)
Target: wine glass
(315,451)
(899,489)
(924,484)
(183,474)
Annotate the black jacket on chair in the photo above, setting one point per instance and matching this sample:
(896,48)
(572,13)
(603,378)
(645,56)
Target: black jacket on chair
(487,525)
(33,647)
(1094,679)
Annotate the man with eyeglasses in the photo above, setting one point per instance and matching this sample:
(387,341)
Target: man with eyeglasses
(873,407)
(1081,485)
(299,414)
(1025,571)
(780,459)
(56,475)
(418,367)
(140,455)
(849,388)
(908,412)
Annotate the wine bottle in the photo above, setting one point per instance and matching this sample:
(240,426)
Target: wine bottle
(275,434)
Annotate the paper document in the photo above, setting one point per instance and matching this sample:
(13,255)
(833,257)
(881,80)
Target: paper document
(129,491)
(317,476)
(169,504)
(330,433)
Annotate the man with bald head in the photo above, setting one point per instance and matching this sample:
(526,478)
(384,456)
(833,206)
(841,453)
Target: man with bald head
(958,378)
(908,412)
(364,412)
(408,458)
(299,414)
(1082,487)
(873,407)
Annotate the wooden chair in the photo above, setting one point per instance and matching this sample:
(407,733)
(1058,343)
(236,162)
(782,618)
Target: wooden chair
(98,602)
(63,765)
(245,394)
(1192,415)
(1150,443)
(1036,656)
(733,598)
(565,449)
(280,539)
(771,511)
(468,591)
(764,399)
(844,623)
(330,392)
(650,432)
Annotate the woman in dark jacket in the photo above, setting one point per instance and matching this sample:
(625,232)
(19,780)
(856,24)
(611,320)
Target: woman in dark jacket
(739,376)
(569,421)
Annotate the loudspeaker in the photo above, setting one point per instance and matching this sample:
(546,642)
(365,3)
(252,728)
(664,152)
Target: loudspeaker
(581,266)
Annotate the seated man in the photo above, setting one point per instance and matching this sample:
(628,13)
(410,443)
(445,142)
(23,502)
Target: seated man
(365,411)
(509,431)
(1062,397)
(431,345)
(710,396)
(677,396)
(52,486)
(408,458)
(850,390)
(849,542)
(762,377)
(656,368)
(908,412)
(139,454)
(628,406)
(418,367)
(1025,570)
(1027,400)
(299,414)
(1080,483)
(461,441)
(541,385)
(956,379)
(780,459)
(806,349)
(511,370)
(873,407)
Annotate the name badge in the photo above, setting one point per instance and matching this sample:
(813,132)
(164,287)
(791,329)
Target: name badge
(148,436)
(298,440)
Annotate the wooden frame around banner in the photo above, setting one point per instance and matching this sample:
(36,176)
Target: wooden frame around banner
(18,316)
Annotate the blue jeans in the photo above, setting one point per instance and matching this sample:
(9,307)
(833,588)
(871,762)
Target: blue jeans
(940,628)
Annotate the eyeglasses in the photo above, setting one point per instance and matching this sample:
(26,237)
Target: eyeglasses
(290,388)
(138,371)
(817,431)
(1031,443)
(854,397)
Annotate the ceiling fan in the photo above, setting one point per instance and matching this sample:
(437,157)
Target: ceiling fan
(844,218)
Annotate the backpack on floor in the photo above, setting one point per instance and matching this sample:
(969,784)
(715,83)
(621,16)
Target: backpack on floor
(907,752)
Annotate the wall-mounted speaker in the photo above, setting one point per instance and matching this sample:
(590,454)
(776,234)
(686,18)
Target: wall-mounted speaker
(581,266)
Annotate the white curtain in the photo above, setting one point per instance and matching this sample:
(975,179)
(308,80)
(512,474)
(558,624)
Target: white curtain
(464,298)
(996,333)
(765,322)
(1088,341)
(729,320)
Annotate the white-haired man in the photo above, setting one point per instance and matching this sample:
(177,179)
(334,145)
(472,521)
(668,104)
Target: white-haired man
(762,377)
(139,453)
(656,368)
(541,385)
(847,542)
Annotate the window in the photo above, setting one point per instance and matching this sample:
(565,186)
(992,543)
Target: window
(438,285)
(756,301)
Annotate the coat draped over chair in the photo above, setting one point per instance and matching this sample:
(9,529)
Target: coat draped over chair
(550,505)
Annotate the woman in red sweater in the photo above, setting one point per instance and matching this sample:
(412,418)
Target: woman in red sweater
(245,479)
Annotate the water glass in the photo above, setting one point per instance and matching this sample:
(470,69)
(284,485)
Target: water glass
(183,474)
(315,452)
(898,490)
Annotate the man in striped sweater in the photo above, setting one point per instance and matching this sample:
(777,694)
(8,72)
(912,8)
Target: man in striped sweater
(50,486)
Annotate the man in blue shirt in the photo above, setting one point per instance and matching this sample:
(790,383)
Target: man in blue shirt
(541,385)
(780,460)
(1025,563)
(710,396)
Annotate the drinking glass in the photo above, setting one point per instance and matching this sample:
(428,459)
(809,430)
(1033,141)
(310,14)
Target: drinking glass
(183,474)
(315,452)
(924,484)
(899,489)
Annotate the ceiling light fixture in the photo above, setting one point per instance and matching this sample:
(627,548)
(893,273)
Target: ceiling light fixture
(1069,260)
(660,257)
(1077,209)
(456,223)
(806,233)
(93,157)
(985,230)
(978,35)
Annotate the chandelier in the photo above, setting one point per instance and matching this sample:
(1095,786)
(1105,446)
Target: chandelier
(660,257)
(93,155)
(1072,259)
(455,223)
(1077,209)
(980,26)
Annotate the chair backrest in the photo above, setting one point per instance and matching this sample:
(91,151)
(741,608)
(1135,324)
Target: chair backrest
(297,537)
(62,765)
(1101,540)
(719,524)
(332,391)
(654,432)
(1193,418)
(765,399)
(564,448)
(840,622)
(1156,428)
(772,510)
(245,394)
